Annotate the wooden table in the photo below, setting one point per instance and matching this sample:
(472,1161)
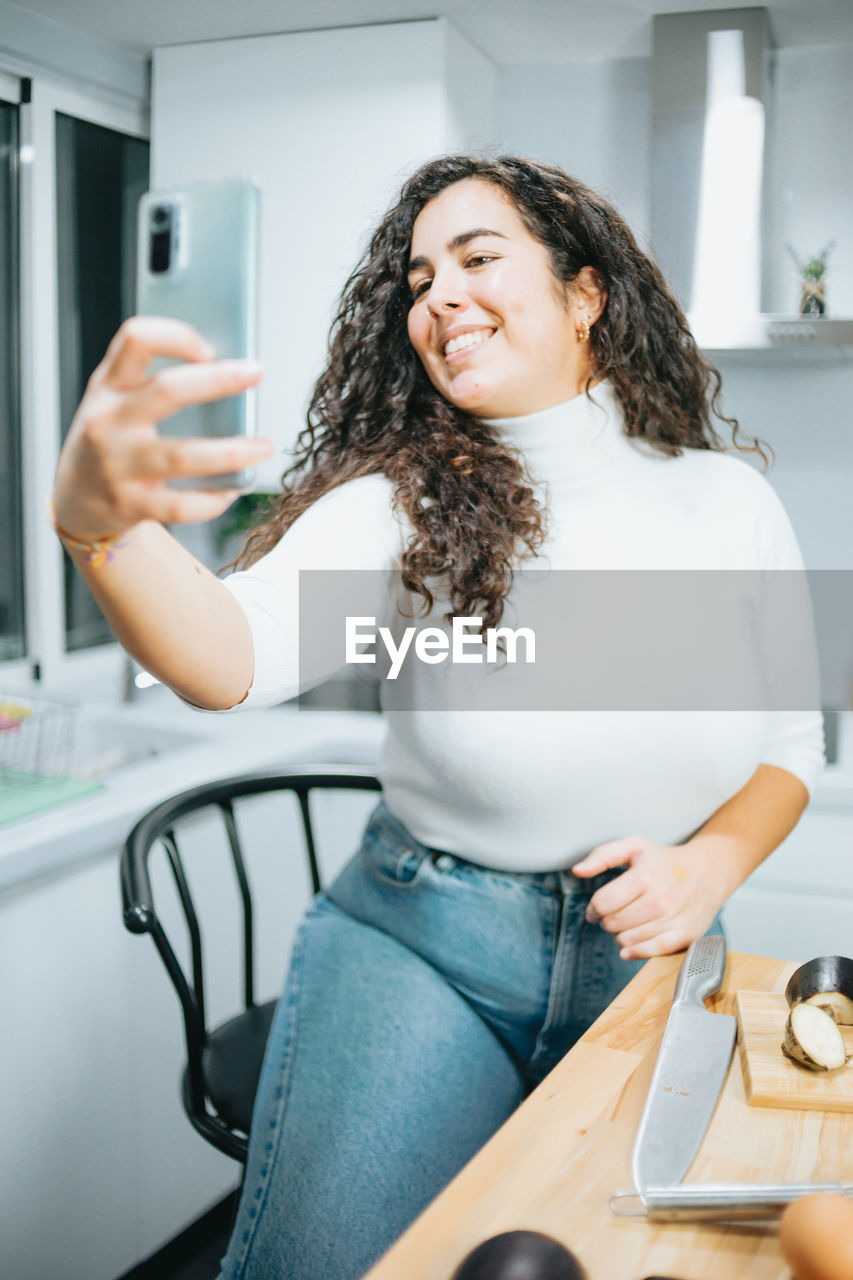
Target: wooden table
(555,1163)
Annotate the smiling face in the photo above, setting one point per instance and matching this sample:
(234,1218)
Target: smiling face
(488,318)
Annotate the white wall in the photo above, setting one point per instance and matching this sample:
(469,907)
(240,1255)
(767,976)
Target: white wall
(593,119)
(806,413)
(329,123)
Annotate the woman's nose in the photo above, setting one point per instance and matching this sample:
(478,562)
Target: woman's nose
(445,304)
(445,295)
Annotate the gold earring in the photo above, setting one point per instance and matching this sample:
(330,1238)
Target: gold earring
(582,330)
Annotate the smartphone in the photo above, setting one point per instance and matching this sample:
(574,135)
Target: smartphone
(198,261)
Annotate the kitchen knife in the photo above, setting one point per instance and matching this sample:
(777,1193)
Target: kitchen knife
(689,1074)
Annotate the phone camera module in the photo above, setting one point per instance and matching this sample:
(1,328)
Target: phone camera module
(161,243)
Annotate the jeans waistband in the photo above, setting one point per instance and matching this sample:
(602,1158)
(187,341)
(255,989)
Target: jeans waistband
(557,882)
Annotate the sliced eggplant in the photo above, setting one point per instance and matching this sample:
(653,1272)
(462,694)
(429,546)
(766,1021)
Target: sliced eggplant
(836,1004)
(813,1039)
(827,982)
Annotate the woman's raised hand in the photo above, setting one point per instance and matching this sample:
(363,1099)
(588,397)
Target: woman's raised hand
(114,465)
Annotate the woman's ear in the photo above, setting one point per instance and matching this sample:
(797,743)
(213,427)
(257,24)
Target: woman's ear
(589,293)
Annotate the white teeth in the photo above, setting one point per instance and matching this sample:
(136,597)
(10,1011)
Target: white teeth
(467,340)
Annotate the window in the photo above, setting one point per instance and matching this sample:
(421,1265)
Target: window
(12,633)
(71,170)
(100,175)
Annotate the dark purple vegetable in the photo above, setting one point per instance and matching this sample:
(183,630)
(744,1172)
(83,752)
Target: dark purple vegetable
(520,1255)
(827,982)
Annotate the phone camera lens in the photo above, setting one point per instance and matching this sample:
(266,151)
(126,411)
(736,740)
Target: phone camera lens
(163,229)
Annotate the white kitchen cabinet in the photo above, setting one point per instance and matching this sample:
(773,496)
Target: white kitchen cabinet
(100,1166)
(799,903)
(89,1088)
(328,123)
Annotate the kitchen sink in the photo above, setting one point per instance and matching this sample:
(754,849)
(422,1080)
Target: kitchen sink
(103,745)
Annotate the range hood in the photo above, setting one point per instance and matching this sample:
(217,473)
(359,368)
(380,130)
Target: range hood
(711,115)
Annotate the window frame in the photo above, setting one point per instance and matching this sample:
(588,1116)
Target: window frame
(47,660)
(10,88)
(16,670)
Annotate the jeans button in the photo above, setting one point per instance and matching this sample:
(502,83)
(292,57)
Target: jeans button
(445,862)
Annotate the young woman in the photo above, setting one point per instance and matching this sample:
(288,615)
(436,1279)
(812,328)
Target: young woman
(510,381)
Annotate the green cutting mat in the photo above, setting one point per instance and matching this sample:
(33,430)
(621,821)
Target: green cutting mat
(30,794)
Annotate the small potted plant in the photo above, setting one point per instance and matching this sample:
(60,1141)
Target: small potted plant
(812,274)
(234,526)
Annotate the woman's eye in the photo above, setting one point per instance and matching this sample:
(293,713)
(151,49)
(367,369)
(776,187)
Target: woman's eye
(420,288)
(479,259)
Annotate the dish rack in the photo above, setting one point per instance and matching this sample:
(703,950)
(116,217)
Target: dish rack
(36,738)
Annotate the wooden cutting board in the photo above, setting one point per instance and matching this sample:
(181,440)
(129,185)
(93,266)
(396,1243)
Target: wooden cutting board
(772,1080)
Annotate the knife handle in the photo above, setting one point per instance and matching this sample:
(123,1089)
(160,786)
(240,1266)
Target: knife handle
(718,1201)
(702,971)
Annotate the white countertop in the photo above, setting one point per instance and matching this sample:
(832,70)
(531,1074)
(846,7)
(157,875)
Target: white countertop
(230,744)
(226,744)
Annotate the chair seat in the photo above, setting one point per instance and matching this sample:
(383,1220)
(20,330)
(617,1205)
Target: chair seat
(232,1061)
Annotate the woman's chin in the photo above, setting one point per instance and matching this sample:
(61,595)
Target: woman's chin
(476,395)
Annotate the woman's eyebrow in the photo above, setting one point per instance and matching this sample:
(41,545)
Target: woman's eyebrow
(456,243)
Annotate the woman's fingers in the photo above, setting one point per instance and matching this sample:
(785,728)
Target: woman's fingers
(614,853)
(637,906)
(178,387)
(647,909)
(188,506)
(618,894)
(660,944)
(113,468)
(139,340)
(651,892)
(636,934)
(159,458)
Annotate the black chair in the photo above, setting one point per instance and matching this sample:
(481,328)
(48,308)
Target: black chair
(223,1063)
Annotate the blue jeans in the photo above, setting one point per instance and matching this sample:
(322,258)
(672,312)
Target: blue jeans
(426,996)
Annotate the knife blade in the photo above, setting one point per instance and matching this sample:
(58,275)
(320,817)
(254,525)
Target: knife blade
(689,1073)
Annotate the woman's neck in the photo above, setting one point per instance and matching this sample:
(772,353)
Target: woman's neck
(568,440)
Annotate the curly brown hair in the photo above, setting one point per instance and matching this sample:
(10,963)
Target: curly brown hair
(468,501)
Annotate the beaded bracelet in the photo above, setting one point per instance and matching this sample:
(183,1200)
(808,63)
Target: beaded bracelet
(97,553)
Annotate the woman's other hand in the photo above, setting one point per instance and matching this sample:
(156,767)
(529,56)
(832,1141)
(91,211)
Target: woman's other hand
(114,465)
(666,897)
(669,894)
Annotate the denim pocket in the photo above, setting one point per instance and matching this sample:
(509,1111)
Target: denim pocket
(388,856)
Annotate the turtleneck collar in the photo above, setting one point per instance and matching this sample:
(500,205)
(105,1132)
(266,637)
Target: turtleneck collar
(569,440)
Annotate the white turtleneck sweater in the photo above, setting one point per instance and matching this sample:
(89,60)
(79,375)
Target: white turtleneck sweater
(537,790)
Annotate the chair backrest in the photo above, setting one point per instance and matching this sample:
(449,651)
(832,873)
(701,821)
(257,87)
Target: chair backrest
(158,826)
